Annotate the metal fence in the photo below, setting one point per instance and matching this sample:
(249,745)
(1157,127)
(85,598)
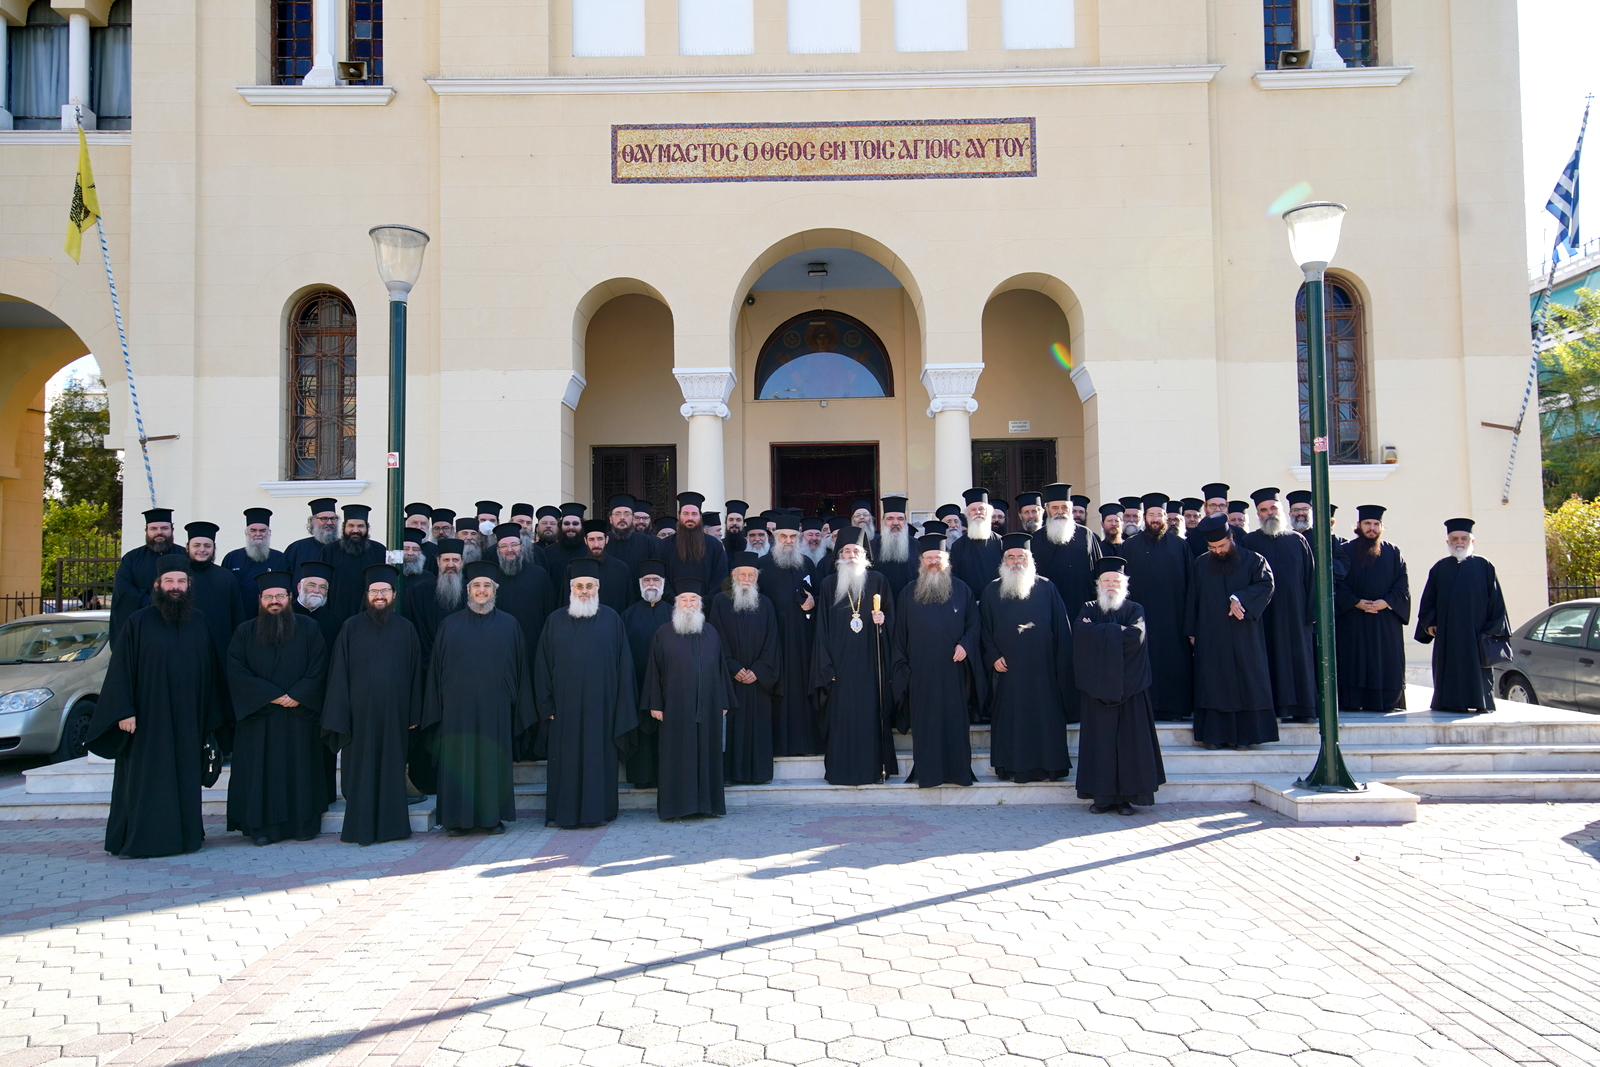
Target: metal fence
(1560,593)
(83,582)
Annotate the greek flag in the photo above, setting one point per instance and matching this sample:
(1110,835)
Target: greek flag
(1564,200)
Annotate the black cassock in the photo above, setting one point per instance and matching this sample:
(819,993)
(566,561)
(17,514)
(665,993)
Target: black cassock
(1462,601)
(631,550)
(305,550)
(1158,581)
(899,573)
(277,785)
(374,699)
(749,641)
(1197,545)
(584,689)
(796,730)
(130,591)
(851,675)
(932,688)
(556,558)
(325,619)
(420,606)
(1288,622)
(216,593)
(166,677)
(1371,645)
(977,562)
(480,693)
(347,589)
(640,622)
(1232,684)
(686,680)
(244,570)
(529,597)
(711,568)
(1119,753)
(1069,566)
(1035,697)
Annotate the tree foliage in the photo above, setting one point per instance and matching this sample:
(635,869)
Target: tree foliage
(78,468)
(1569,401)
(1572,542)
(72,530)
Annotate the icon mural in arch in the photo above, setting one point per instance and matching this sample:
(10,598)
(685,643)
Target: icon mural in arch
(823,355)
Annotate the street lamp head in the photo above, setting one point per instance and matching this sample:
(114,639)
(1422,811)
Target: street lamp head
(399,250)
(1314,232)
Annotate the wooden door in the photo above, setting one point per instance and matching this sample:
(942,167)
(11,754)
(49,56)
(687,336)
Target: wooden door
(648,472)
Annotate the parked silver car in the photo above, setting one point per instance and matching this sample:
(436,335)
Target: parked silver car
(51,670)
(1554,657)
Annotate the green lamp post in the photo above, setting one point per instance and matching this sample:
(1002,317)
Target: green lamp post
(399,251)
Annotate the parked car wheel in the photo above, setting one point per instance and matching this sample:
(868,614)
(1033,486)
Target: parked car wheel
(75,732)
(1518,688)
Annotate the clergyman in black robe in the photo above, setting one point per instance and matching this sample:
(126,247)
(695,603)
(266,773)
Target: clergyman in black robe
(1372,605)
(1119,752)
(851,667)
(937,661)
(1230,588)
(428,600)
(692,552)
(136,573)
(1064,551)
(311,599)
(1158,569)
(748,626)
(789,582)
(372,711)
(526,592)
(975,556)
(894,551)
(480,695)
(686,691)
(1289,619)
(640,622)
(322,529)
(350,556)
(629,545)
(216,595)
(617,590)
(584,690)
(256,557)
(277,675)
(1460,606)
(159,699)
(1027,646)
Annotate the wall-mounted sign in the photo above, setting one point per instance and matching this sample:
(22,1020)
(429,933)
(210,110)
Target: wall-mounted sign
(824,151)
(1021,426)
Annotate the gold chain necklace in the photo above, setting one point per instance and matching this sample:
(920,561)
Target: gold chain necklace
(855,612)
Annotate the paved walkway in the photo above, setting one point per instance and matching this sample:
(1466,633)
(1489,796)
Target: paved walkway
(1196,936)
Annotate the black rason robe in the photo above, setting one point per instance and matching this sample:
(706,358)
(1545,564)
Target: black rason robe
(166,677)
(1287,622)
(1462,601)
(1032,701)
(1069,566)
(1119,753)
(931,688)
(898,574)
(584,689)
(130,590)
(686,680)
(1158,580)
(374,701)
(796,729)
(851,675)
(1371,646)
(347,589)
(277,786)
(977,562)
(640,622)
(1232,684)
(480,694)
(749,641)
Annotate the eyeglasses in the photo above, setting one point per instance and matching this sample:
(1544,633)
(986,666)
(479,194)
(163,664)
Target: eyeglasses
(274,596)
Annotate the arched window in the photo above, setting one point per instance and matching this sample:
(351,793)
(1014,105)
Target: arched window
(822,355)
(322,388)
(38,69)
(110,69)
(1347,377)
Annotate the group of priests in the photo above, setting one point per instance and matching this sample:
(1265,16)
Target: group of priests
(687,656)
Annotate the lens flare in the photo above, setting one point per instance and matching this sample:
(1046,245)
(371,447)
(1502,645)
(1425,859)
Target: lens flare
(1298,193)
(1062,356)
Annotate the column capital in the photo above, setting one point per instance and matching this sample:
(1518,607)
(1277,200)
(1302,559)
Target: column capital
(950,386)
(705,390)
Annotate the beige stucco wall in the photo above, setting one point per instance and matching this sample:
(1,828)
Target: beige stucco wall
(1146,226)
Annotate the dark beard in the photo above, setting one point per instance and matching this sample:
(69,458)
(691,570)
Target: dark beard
(448,590)
(274,629)
(159,545)
(545,538)
(1155,533)
(174,611)
(380,616)
(573,542)
(1366,549)
(1114,537)
(510,567)
(1225,561)
(353,544)
(691,545)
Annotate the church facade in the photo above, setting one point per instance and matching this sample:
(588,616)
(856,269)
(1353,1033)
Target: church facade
(785,252)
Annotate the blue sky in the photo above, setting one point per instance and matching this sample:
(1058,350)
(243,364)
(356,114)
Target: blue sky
(1560,43)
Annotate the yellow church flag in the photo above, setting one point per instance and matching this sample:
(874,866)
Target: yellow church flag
(85,209)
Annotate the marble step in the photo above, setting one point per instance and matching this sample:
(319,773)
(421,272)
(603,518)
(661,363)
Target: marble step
(17,805)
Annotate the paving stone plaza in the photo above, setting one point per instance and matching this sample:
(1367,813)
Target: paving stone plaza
(1194,934)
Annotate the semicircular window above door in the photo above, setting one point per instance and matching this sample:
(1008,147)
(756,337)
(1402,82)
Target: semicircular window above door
(823,355)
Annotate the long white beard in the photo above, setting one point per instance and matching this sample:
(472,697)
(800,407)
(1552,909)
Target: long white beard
(815,554)
(447,591)
(1112,602)
(414,566)
(509,567)
(312,601)
(787,556)
(1018,584)
(530,545)
(688,621)
(1274,526)
(471,552)
(1061,529)
(852,579)
(587,609)
(484,608)
(258,551)
(746,597)
(871,527)
(324,537)
(649,596)
(760,550)
(1463,552)
(933,587)
(979,529)
(895,546)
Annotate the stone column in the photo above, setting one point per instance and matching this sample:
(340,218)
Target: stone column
(324,23)
(77,106)
(705,404)
(1324,54)
(950,387)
